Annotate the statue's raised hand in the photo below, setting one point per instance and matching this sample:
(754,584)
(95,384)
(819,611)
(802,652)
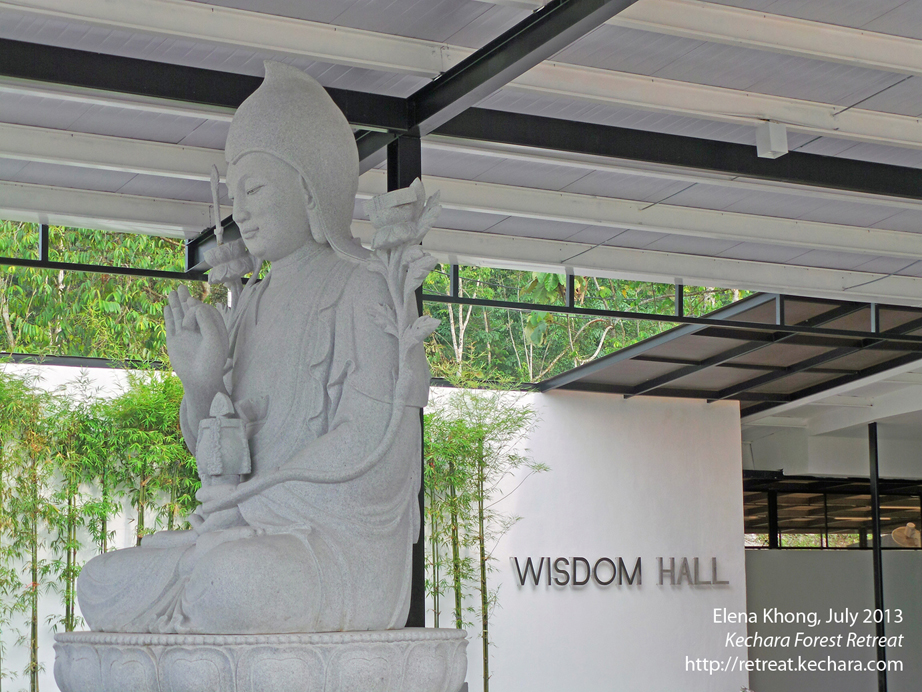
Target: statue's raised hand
(196,340)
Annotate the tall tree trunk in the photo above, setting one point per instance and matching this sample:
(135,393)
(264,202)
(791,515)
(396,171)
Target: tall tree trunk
(104,520)
(174,481)
(455,545)
(434,545)
(2,557)
(484,596)
(142,502)
(71,568)
(33,595)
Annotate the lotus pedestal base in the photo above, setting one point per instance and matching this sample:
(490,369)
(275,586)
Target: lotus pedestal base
(408,660)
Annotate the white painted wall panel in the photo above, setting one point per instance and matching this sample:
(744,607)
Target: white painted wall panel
(638,478)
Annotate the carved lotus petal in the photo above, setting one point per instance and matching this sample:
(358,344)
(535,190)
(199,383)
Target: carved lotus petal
(396,235)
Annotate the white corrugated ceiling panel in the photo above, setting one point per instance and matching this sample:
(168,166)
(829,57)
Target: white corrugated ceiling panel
(691,245)
(643,188)
(733,67)
(9,168)
(462,22)
(536,228)
(886,265)
(862,151)
(70,177)
(598,235)
(903,98)
(830,259)
(760,252)
(171,188)
(621,116)
(853,13)
(908,221)
(904,20)
(61,114)
(460,220)
(851,214)
(82,36)
(634,239)
(522,174)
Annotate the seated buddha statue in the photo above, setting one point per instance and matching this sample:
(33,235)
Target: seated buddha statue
(308,391)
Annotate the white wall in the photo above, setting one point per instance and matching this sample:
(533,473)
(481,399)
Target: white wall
(796,452)
(646,477)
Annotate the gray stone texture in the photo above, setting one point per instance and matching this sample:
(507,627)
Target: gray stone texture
(301,406)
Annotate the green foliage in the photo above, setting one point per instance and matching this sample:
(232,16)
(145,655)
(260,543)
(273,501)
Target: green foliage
(26,474)
(472,448)
(152,459)
(68,463)
(44,311)
(488,344)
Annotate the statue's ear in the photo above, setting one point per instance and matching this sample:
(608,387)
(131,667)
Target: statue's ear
(313,213)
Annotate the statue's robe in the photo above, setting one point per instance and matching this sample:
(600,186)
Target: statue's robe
(306,557)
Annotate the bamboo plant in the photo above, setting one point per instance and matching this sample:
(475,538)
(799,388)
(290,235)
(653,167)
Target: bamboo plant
(28,508)
(473,448)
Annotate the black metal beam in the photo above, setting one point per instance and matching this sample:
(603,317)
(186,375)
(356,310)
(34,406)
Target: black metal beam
(372,148)
(878,552)
(533,40)
(604,388)
(627,144)
(726,329)
(103,269)
(404,162)
(44,242)
(79,361)
(118,74)
(763,481)
(671,360)
(454,283)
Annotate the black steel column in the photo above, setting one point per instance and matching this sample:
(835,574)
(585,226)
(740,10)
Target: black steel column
(680,300)
(877,551)
(826,520)
(44,243)
(773,530)
(404,165)
(454,281)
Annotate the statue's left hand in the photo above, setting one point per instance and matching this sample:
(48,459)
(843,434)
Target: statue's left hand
(197,342)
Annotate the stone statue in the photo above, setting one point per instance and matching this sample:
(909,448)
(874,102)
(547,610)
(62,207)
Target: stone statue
(302,409)
(302,400)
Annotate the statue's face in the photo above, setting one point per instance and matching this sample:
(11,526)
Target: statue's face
(270,205)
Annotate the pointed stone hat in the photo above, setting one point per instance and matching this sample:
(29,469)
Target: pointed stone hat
(291,117)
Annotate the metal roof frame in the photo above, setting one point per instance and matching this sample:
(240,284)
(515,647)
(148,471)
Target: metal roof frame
(445,107)
(730,323)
